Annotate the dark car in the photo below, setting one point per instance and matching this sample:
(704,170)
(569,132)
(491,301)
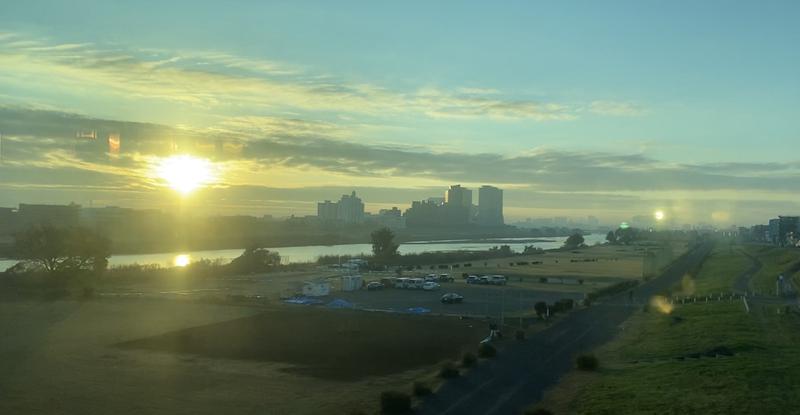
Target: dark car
(375,286)
(452,298)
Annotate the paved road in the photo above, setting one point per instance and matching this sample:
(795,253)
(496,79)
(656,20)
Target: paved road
(520,374)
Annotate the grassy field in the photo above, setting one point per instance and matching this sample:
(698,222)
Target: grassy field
(775,261)
(185,358)
(667,363)
(718,273)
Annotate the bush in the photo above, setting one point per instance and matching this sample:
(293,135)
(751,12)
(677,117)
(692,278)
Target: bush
(587,362)
(538,411)
(486,351)
(468,360)
(448,371)
(421,389)
(393,402)
(519,335)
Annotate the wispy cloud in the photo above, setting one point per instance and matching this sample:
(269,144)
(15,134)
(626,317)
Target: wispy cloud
(223,82)
(614,108)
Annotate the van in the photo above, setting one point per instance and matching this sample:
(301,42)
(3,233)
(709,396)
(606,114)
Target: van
(402,282)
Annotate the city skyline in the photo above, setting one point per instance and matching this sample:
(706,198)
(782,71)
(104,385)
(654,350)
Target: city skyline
(697,119)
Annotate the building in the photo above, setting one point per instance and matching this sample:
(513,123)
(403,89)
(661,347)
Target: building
(327,210)
(785,230)
(423,213)
(490,206)
(56,215)
(458,196)
(391,218)
(8,218)
(350,209)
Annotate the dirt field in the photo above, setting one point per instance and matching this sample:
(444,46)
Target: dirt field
(330,344)
(62,357)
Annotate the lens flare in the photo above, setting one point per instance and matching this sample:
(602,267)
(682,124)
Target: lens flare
(182,260)
(185,173)
(661,304)
(659,215)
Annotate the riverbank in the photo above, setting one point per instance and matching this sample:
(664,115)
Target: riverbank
(310,253)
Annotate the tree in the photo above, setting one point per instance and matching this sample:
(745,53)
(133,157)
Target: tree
(255,259)
(626,236)
(574,241)
(611,237)
(540,308)
(383,246)
(63,250)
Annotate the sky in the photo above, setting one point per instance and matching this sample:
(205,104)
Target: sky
(611,109)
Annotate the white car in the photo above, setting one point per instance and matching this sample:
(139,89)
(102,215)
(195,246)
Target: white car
(430,286)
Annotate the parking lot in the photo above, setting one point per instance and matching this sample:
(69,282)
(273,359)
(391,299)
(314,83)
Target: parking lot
(479,300)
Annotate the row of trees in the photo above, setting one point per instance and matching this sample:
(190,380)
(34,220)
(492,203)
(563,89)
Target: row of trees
(72,252)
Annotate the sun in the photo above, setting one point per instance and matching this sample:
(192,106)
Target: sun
(185,173)
(182,260)
(659,215)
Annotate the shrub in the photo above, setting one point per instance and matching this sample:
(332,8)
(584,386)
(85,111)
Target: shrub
(393,402)
(543,280)
(421,389)
(468,360)
(587,362)
(486,351)
(519,335)
(448,371)
(538,411)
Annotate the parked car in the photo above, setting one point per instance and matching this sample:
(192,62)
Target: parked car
(473,279)
(484,280)
(402,282)
(432,277)
(445,278)
(415,283)
(430,286)
(375,285)
(497,279)
(452,298)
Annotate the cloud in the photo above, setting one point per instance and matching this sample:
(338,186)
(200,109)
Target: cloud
(47,138)
(616,109)
(226,83)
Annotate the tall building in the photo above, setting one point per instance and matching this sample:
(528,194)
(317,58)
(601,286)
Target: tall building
(490,206)
(350,209)
(327,210)
(458,196)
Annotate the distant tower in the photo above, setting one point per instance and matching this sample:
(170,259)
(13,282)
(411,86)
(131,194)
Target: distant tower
(490,206)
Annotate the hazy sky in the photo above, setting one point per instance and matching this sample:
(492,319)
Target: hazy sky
(612,109)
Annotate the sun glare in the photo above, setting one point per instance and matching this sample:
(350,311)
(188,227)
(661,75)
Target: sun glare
(659,214)
(185,173)
(182,260)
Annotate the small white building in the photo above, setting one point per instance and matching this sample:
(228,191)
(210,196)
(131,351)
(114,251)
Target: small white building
(316,288)
(351,282)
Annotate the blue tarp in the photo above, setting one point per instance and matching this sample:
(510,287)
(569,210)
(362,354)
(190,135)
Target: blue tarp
(302,300)
(418,310)
(339,303)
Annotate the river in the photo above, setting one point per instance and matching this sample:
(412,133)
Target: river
(310,253)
